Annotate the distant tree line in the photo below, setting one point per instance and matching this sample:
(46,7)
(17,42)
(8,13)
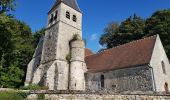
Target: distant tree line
(134,28)
(18,42)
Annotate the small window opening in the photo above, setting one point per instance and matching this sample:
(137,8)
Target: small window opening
(166,88)
(55,17)
(68,15)
(51,19)
(102,81)
(163,67)
(74,18)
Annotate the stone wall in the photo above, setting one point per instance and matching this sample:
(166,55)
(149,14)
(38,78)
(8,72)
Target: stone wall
(100,97)
(129,79)
(35,62)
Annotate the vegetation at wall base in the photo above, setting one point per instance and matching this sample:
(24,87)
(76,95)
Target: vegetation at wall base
(40,96)
(13,95)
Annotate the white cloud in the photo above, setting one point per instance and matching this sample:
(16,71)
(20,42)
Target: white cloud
(93,37)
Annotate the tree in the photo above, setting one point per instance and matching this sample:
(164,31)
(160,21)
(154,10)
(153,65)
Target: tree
(16,50)
(159,23)
(37,35)
(110,32)
(5,37)
(130,29)
(7,5)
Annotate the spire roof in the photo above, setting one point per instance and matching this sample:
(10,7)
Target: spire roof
(71,3)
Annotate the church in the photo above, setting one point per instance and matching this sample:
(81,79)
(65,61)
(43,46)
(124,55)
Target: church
(61,61)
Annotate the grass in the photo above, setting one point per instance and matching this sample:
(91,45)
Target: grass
(13,95)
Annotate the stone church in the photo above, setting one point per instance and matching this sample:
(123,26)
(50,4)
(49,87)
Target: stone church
(61,61)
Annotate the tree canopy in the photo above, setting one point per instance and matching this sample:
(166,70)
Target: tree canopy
(16,50)
(7,5)
(134,28)
(159,23)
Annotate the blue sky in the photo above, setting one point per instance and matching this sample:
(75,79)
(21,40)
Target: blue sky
(96,14)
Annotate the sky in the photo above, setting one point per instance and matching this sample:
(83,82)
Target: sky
(96,14)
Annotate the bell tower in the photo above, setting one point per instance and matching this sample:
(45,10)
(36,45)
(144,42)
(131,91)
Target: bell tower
(57,71)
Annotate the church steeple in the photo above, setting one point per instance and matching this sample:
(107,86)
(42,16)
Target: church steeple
(71,3)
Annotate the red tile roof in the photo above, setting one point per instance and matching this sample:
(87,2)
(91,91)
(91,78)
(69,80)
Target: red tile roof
(124,56)
(88,52)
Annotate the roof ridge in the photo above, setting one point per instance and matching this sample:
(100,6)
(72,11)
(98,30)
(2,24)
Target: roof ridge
(134,41)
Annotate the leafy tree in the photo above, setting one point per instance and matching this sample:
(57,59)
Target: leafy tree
(109,33)
(130,29)
(5,37)
(16,50)
(159,23)
(37,35)
(136,28)
(7,5)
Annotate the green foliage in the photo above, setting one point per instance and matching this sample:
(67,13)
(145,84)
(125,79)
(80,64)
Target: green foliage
(75,37)
(34,87)
(159,23)
(13,95)
(128,30)
(11,77)
(16,50)
(7,5)
(37,35)
(41,97)
(134,28)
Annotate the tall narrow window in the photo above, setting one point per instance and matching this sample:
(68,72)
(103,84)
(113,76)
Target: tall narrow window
(74,18)
(51,18)
(102,81)
(163,67)
(166,87)
(55,17)
(68,15)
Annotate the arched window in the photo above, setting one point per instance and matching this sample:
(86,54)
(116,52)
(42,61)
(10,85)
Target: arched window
(163,67)
(55,17)
(51,18)
(68,15)
(74,18)
(102,81)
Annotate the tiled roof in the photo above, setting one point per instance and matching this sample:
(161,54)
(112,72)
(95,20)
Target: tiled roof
(124,56)
(71,3)
(88,52)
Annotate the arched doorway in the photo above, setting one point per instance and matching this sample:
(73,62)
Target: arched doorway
(166,87)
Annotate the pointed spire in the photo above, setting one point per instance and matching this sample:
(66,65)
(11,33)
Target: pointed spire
(71,3)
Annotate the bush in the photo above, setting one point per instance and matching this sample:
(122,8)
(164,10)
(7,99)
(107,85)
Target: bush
(13,95)
(34,87)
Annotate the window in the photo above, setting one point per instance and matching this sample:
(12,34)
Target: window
(102,81)
(55,17)
(68,15)
(166,87)
(74,18)
(163,67)
(51,18)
